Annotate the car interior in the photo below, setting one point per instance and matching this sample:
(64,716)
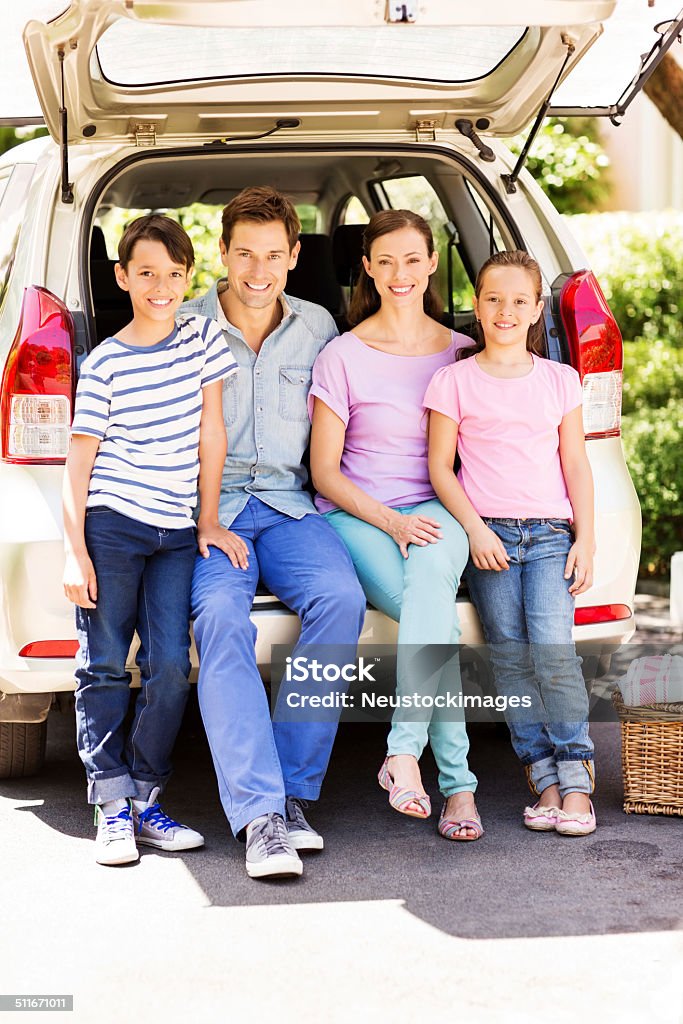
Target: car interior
(335,193)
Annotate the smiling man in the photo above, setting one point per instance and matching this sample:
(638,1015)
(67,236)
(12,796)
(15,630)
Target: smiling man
(266,770)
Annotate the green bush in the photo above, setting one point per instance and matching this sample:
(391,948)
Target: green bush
(568,162)
(637,259)
(653,441)
(653,375)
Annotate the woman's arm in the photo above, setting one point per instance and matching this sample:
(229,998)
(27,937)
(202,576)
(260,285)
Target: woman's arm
(80,582)
(213,448)
(579,480)
(487,550)
(327,445)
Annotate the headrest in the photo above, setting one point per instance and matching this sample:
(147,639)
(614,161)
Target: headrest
(313,276)
(98,246)
(347,249)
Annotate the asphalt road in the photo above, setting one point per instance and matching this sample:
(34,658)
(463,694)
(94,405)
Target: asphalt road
(391,921)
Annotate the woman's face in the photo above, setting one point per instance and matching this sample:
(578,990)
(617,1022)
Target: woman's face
(400,266)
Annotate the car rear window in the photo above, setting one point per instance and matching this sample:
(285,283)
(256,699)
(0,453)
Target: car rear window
(423,53)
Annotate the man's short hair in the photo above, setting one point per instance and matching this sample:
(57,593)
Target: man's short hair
(262,205)
(156,228)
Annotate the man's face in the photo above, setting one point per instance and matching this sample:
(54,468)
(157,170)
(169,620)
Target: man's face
(258,260)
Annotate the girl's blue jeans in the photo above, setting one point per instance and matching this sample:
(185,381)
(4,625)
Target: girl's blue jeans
(418,593)
(527,614)
(143,583)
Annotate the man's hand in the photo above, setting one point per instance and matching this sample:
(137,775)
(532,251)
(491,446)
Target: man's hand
(80,582)
(580,564)
(229,543)
(487,549)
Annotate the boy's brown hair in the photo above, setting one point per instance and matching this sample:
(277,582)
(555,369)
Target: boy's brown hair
(155,227)
(262,205)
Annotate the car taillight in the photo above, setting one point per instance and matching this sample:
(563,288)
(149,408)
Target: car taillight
(601,613)
(596,351)
(38,382)
(49,649)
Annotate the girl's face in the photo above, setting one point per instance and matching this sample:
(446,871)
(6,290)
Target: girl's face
(400,266)
(507,306)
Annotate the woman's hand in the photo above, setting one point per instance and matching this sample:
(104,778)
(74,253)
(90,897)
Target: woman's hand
(580,564)
(80,582)
(417,529)
(487,549)
(229,543)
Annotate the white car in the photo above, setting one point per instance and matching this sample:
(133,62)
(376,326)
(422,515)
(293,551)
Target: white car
(348,108)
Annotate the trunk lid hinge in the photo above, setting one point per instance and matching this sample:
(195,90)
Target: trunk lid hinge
(67,186)
(145,135)
(425,130)
(401,13)
(511,179)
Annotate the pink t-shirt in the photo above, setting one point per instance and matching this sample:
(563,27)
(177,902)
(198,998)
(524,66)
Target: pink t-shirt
(378,396)
(508,435)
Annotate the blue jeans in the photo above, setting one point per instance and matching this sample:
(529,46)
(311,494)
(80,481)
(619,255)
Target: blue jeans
(143,583)
(527,614)
(303,563)
(418,593)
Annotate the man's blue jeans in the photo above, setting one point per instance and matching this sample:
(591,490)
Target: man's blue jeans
(527,614)
(143,583)
(305,565)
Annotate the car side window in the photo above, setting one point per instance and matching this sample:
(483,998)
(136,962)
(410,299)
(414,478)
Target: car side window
(15,183)
(415,193)
(354,212)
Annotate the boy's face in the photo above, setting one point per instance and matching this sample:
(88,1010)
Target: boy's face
(156,283)
(258,260)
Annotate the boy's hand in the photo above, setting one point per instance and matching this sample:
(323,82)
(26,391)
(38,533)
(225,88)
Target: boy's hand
(580,563)
(80,582)
(225,540)
(487,549)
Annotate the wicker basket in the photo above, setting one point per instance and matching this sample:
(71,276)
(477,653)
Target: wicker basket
(651,757)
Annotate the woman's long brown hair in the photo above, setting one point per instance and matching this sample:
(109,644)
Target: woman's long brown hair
(366,300)
(535,340)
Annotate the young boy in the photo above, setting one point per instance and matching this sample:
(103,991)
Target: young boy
(148,423)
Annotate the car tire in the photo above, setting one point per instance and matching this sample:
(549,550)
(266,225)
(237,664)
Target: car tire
(22,749)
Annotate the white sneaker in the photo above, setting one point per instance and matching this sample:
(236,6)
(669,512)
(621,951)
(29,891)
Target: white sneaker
(301,833)
(269,848)
(115,842)
(154,828)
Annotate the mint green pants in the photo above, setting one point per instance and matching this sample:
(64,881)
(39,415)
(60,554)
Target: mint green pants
(418,593)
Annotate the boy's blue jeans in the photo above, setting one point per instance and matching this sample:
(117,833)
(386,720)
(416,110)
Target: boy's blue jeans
(418,593)
(303,563)
(143,583)
(527,614)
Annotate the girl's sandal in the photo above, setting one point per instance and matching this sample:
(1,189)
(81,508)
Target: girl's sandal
(401,799)
(571,824)
(541,819)
(450,828)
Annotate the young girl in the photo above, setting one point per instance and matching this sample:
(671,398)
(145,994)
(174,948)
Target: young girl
(369,465)
(524,495)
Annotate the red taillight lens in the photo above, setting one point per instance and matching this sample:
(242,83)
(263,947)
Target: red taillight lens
(38,382)
(49,649)
(601,613)
(597,352)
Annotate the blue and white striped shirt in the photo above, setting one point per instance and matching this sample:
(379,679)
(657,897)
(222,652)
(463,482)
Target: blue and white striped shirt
(145,405)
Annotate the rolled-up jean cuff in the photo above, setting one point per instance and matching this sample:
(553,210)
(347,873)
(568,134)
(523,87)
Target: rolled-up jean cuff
(541,774)
(576,776)
(111,787)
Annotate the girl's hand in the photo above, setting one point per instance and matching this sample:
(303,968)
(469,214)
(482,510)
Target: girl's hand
(80,582)
(487,550)
(229,543)
(580,563)
(420,530)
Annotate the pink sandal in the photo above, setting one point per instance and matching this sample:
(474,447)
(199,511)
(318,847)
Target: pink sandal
(541,819)
(450,828)
(400,799)
(572,824)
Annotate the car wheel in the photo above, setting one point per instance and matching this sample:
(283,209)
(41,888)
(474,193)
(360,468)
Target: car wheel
(22,748)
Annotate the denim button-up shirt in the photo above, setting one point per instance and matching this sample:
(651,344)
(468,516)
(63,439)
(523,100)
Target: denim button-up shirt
(264,406)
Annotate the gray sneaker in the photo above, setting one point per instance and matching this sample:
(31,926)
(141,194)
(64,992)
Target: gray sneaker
(269,848)
(115,842)
(154,828)
(302,836)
